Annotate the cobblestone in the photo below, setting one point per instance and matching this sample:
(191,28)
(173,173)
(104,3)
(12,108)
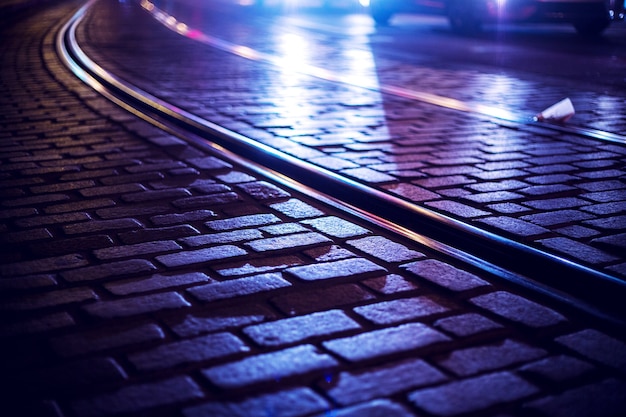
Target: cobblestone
(555,369)
(289,403)
(322,299)
(270,367)
(350,388)
(597,346)
(300,328)
(606,399)
(474,360)
(202,348)
(445,275)
(384,249)
(136,305)
(519,309)
(239,287)
(404,309)
(387,341)
(336,269)
(145,275)
(137,398)
(200,255)
(102,339)
(471,395)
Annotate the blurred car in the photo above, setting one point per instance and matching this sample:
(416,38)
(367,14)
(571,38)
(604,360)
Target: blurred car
(589,17)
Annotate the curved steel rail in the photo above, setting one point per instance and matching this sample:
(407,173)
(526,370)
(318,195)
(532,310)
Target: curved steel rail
(566,282)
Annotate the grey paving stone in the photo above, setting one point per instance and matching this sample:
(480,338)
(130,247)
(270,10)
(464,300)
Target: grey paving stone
(137,398)
(311,300)
(376,408)
(262,190)
(473,394)
(155,282)
(467,324)
(388,341)
(556,217)
(257,266)
(31,235)
(556,203)
(518,309)
(578,250)
(292,402)
(284,229)
(101,226)
(404,309)
(34,200)
(43,265)
(212,346)
(368,175)
(53,219)
(134,210)
(597,186)
(190,257)
(474,360)
(606,196)
(539,190)
(28,282)
(269,367)
(337,227)
(412,192)
(343,268)
(458,209)
(597,346)
(493,197)
(49,299)
(445,275)
(617,223)
(154,195)
(577,231)
(108,270)
(508,208)
(385,249)
(297,209)
(79,205)
(136,305)
(365,385)
(515,226)
(300,328)
(206,200)
(600,399)
(40,324)
(555,369)
(75,374)
(615,242)
(124,251)
(100,339)
(444,181)
(293,241)
(111,190)
(234,236)
(238,287)
(178,218)
(390,284)
(241,222)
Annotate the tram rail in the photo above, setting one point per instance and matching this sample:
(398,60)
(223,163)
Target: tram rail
(549,275)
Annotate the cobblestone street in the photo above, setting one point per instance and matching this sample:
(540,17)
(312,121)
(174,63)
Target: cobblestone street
(143,275)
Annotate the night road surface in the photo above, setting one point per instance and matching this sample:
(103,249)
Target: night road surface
(287,218)
(412,110)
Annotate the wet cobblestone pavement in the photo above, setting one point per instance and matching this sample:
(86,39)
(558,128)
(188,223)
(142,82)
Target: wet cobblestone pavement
(142,275)
(560,192)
